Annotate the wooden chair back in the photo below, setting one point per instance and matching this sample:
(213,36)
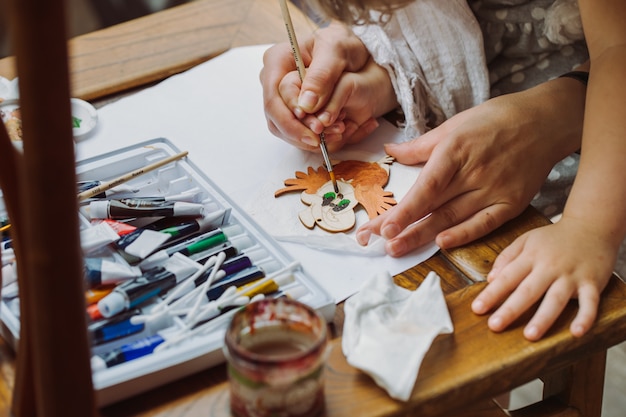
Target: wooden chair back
(53,375)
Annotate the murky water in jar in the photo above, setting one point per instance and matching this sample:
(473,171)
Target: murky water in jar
(277,370)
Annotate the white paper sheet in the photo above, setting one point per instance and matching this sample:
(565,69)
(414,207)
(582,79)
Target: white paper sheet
(215,111)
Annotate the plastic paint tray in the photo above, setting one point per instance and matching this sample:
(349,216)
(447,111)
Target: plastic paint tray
(196,353)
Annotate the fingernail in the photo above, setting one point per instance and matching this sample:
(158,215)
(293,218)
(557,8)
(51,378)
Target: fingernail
(395,247)
(495,323)
(307,100)
(324,117)
(531,332)
(390,231)
(578,330)
(309,141)
(363,237)
(444,241)
(478,307)
(334,128)
(300,114)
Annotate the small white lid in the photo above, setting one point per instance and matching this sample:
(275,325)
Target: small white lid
(297,292)
(84,115)
(111,304)
(84,118)
(284,279)
(182,208)
(99,209)
(97,363)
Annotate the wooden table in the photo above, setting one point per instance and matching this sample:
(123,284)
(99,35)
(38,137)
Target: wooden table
(151,48)
(462,372)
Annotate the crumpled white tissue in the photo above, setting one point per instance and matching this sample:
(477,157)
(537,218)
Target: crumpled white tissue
(388,330)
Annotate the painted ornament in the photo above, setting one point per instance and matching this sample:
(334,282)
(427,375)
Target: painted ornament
(358,182)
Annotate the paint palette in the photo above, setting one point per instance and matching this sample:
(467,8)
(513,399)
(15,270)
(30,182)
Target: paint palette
(187,349)
(84,115)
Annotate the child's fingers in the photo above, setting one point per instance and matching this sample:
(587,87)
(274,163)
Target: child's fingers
(506,282)
(588,300)
(555,300)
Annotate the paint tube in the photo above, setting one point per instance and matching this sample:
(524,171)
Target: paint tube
(144,241)
(6,244)
(136,207)
(97,237)
(122,327)
(88,185)
(128,352)
(8,256)
(147,345)
(193,195)
(93,295)
(157,281)
(267,287)
(121,228)
(9,274)
(245,276)
(100,271)
(192,246)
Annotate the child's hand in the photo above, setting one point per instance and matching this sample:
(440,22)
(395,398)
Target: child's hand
(290,105)
(557,262)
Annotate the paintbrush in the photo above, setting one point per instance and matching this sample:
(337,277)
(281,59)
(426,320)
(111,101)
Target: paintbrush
(107,185)
(301,72)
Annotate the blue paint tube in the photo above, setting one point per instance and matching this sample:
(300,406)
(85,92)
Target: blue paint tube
(157,281)
(127,352)
(121,327)
(130,208)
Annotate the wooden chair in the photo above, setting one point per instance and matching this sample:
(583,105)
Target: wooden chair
(39,185)
(53,372)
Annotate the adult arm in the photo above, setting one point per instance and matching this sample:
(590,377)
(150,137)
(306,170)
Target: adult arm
(574,257)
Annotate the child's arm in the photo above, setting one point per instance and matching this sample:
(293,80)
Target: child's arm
(574,257)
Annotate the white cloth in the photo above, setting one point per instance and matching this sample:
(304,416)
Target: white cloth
(433,51)
(388,330)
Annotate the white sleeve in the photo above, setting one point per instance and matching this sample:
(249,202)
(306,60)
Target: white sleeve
(433,52)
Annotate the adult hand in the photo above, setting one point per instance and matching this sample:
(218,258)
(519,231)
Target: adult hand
(482,167)
(326,100)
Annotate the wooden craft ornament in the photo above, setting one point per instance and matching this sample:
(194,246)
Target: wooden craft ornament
(358,182)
